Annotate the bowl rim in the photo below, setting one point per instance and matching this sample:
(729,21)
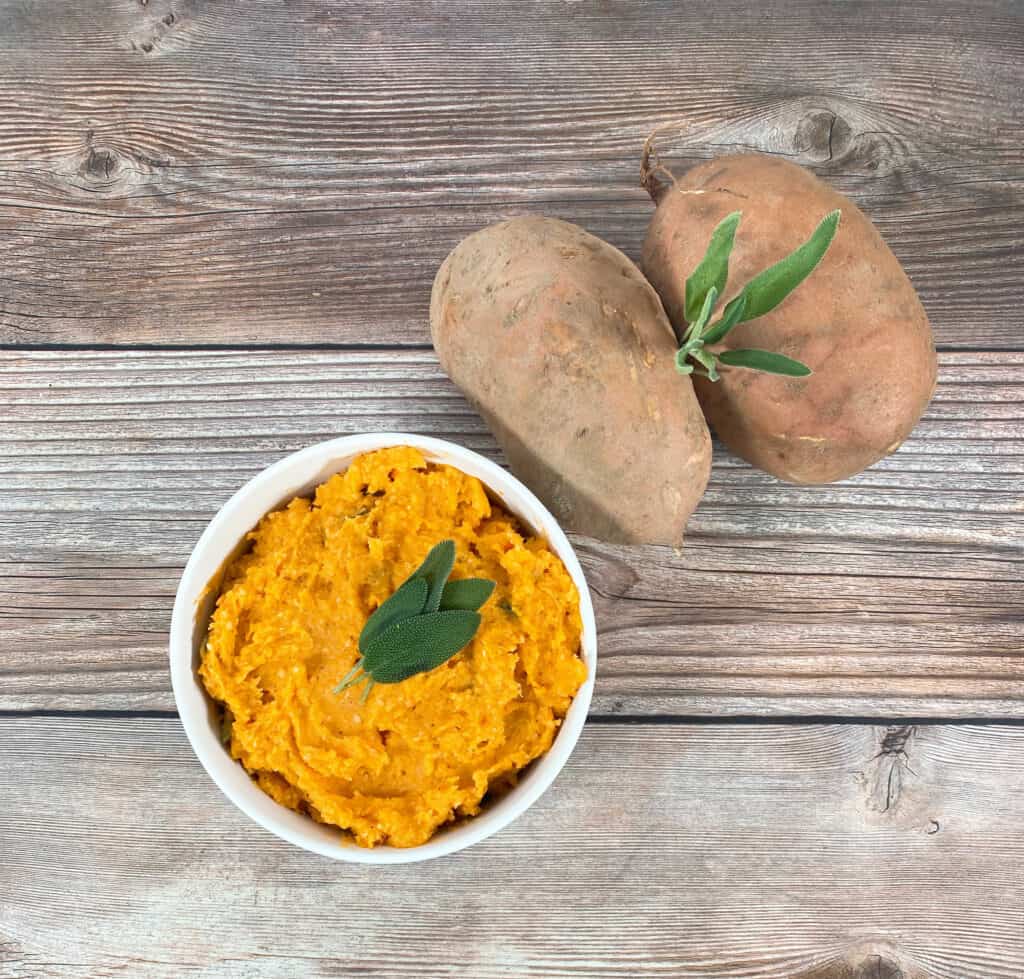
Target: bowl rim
(194,705)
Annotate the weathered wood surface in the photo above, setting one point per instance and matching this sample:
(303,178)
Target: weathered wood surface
(774,851)
(175,173)
(172,171)
(896,592)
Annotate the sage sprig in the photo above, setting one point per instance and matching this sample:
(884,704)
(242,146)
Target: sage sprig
(423,624)
(759,296)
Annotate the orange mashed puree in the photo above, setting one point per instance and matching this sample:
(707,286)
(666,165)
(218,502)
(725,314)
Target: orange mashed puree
(423,752)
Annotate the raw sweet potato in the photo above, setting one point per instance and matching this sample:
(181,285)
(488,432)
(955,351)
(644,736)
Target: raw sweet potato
(564,348)
(856,322)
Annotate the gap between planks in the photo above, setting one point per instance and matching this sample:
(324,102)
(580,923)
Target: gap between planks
(317,346)
(699,720)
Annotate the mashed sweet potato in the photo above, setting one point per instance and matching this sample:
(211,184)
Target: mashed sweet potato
(422,752)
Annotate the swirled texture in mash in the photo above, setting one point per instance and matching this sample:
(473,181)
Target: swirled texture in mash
(422,752)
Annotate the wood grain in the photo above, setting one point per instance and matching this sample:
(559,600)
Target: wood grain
(722,850)
(295,172)
(177,173)
(898,592)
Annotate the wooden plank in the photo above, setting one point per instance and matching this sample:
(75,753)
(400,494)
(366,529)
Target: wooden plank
(774,851)
(182,172)
(897,592)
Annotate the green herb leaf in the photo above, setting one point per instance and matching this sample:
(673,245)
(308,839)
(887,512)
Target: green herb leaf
(353,677)
(707,361)
(764,360)
(406,602)
(418,645)
(713,269)
(681,365)
(434,570)
(765,291)
(425,622)
(466,593)
(227,721)
(732,316)
(693,334)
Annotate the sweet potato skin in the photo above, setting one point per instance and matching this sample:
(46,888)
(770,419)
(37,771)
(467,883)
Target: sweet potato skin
(856,321)
(564,348)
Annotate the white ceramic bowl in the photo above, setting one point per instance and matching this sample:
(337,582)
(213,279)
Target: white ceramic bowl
(297,475)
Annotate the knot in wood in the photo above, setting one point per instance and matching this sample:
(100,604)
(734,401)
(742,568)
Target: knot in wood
(105,166)
(822,134)
(894,741)
(873,960)
(100,165)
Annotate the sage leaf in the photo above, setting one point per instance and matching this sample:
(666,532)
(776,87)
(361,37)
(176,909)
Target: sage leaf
(713,269)
(466,593)
(765,291)
(681,365)
(424,623)
(227,721)
(407,601)
(693,334)
(434,570)
(418,645)
(733,312)
(707,361)
(350,679)
(765,361)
